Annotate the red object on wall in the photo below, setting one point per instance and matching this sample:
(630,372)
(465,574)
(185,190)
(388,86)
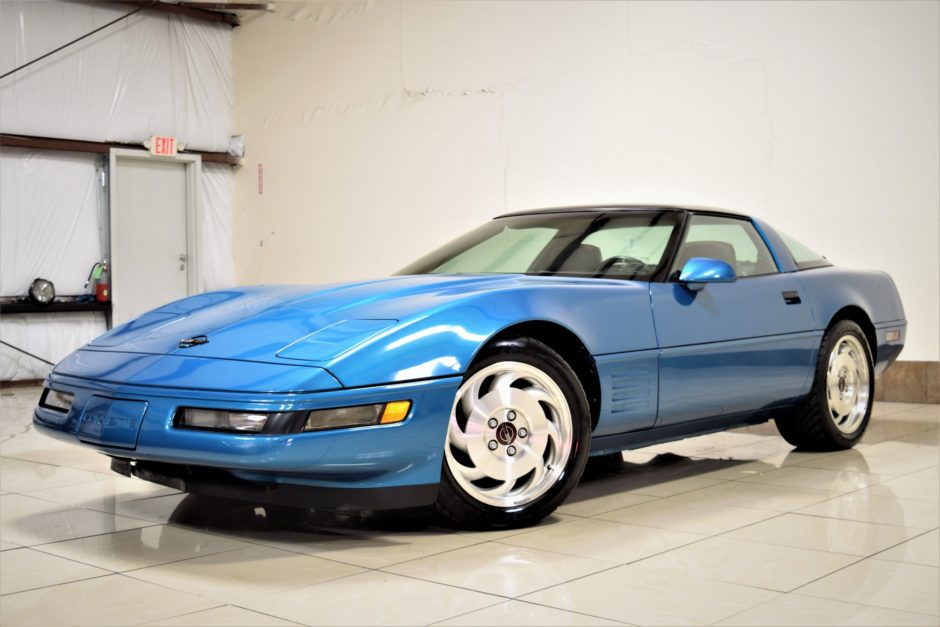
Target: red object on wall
(103,285)
(164,146)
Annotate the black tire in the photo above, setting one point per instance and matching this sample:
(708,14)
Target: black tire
(810,425)
(461,508)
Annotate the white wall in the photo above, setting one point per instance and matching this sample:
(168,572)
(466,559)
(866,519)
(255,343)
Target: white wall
(385,128)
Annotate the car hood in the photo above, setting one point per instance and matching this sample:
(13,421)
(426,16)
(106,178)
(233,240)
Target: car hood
(284,324)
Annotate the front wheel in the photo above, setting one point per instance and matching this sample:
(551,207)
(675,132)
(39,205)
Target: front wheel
(836,412)
(517,440)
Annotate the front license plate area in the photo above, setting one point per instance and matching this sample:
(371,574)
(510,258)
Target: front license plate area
(112,422)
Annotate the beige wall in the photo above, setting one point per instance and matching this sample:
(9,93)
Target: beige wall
(386,128)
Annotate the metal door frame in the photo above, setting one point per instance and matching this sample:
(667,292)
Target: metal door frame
(193,165)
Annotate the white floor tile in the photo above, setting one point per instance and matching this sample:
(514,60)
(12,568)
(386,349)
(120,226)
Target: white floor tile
(139,548)
(111,600)
(227,615)
(868,507)
(690,516)
(26,569)
(795,610)
(825,534)
(924,549)
(832,481)
(767,566)
(27,521)
(603,540)
(365,548)
(500,569)
(241,574)
(757,496)
(102,495)
(909,487)
(893,585)
(373,598)
(641,597)
(591,500)
(511,613)
(18,476)
(860,461)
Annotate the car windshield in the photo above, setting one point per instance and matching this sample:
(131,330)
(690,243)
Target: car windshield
(628,245)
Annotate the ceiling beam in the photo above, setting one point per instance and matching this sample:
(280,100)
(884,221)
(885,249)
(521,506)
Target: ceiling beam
(227,6)
(189,11)
(101,148)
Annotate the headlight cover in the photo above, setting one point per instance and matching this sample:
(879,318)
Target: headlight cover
(292,422)
(54,399)
(357,416)
(222,420)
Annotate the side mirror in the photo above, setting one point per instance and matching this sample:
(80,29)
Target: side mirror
(699,271)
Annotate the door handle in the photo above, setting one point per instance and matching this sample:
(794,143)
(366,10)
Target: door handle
(791,297)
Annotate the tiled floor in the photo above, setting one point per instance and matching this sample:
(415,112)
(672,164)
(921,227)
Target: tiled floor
(731,529)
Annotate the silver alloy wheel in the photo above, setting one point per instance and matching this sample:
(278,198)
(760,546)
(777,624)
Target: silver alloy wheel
(510,434)
(848,383)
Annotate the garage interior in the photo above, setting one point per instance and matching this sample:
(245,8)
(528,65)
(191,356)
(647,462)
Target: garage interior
(165,149)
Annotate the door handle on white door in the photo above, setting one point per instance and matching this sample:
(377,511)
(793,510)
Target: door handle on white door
(183,259)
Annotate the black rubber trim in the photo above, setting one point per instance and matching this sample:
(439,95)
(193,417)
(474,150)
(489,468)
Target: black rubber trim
(221,483)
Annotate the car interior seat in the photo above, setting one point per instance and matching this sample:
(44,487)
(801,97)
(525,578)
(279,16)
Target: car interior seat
(713,250)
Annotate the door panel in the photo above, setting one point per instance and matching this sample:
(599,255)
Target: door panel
(150,247)
(731,347)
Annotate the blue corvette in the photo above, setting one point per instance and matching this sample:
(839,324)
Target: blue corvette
(481,377)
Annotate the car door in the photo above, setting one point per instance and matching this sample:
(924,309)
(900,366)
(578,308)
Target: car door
(730,347)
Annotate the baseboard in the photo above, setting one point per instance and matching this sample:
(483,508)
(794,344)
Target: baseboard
(910,382)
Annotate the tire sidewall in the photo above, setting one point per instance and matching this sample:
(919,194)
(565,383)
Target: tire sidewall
(836,333)
(537,354)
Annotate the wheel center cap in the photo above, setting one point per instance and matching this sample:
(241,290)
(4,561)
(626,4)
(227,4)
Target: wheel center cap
(506,433)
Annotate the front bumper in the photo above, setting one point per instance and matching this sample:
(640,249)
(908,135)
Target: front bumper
(363,467)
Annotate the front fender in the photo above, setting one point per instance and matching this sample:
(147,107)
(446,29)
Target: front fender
(609,316)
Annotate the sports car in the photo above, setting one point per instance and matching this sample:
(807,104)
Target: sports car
(480,378)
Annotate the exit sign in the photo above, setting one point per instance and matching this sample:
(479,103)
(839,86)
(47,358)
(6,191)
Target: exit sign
(163,146)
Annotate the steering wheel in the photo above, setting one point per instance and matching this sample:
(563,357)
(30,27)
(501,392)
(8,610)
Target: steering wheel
(607,264)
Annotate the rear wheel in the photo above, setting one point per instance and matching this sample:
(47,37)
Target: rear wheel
(836,412)
(517,440)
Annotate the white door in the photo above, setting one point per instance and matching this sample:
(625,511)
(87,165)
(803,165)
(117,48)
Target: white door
(153,234)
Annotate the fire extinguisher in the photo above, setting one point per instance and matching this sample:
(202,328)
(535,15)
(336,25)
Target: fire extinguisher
(100,275)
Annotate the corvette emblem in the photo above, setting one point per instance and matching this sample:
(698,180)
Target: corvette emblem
(506,433)
(193,341)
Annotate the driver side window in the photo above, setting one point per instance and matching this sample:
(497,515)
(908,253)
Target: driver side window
(732,240)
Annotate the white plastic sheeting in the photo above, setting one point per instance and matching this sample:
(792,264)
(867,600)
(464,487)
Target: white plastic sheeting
(50,336)
(151,74)
(216,262)
(50,225)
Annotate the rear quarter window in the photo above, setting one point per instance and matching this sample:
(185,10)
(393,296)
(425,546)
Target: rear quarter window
(803,256)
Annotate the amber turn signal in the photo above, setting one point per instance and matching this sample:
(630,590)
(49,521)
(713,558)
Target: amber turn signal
(396,411)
